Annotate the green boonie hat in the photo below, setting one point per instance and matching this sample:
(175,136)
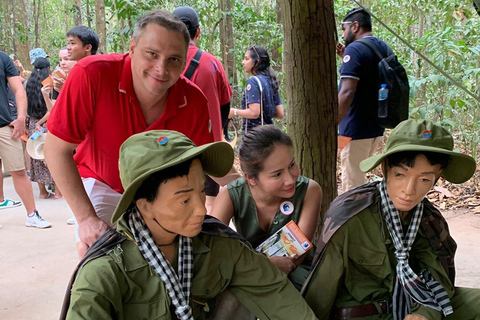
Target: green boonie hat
(424,135)
(148,152)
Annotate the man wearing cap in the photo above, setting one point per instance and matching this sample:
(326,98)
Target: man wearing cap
(11,149)
(206,71)
(385,251)
(175,260)
(108,98)
(358,96)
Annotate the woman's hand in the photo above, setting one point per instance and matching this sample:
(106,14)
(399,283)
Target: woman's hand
(285,264)
(231,113)
(46,90)
(38,126)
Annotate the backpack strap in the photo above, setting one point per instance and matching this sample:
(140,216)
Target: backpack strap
(109,240)
(193,64)
(375,49)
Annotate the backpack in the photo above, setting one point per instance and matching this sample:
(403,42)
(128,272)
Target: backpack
(391,73)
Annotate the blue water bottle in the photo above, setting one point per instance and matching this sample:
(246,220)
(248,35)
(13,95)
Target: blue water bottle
(383,101)
(37,133)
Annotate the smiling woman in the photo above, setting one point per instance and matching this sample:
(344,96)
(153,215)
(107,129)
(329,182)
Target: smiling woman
(255,202)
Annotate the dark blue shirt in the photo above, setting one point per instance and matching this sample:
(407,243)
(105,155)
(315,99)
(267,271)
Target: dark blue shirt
(7,70)
(270,99)
(360,63)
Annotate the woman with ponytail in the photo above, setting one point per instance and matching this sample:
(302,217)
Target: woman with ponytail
(36,109)
(261,100)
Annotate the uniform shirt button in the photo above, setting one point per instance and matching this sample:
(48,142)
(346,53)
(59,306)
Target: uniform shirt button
(207,291)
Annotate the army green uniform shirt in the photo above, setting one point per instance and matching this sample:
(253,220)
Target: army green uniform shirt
(358,267)
(122,285)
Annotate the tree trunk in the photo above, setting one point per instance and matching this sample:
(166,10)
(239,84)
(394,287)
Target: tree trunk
(101,25)
(276,55)
(20,30)
(88,14)
(227,41)
(311,79)
(77,12)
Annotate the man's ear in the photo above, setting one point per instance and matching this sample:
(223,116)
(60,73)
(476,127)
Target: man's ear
(197,34)
(131,49)
(88,48)
(145,208)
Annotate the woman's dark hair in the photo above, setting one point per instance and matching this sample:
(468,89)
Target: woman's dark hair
(257,145)
(36,107)
(407,158)
(262,65)
(149,187)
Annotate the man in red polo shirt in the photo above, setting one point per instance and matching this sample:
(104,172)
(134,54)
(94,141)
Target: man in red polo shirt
(108,98)
(210,77)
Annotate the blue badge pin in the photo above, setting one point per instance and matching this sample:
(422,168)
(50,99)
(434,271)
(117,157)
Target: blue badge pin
(162,140)
(287,208)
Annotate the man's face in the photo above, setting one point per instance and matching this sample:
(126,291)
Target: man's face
(348,35)
(158,59)
(179,207)
(76,50)
(408,186)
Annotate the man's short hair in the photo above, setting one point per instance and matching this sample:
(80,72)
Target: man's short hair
(361,16)
(189,16)
(86,35)
(164,19)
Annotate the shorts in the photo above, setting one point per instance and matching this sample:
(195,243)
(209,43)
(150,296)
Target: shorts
(11,151)
(104,200)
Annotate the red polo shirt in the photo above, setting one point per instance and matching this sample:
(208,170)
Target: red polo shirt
(98,109)
(211,79)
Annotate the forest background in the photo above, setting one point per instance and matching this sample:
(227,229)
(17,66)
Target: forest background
(445,31)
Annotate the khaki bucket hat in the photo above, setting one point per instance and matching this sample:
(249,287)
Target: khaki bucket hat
(145,153)
(424,135)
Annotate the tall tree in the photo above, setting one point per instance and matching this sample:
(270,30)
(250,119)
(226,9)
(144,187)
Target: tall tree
(100,25)
(19,28)
(309,47)
(77,12)
(226,40)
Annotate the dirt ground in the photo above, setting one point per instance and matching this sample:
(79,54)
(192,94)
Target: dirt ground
(35,265)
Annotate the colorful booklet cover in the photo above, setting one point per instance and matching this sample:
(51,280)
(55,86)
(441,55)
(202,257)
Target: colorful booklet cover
(287,241)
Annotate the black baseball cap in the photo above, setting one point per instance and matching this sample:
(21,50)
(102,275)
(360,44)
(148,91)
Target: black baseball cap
(188,15)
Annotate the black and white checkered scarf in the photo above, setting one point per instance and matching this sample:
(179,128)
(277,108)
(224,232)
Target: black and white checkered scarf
(179,295)
(422,288)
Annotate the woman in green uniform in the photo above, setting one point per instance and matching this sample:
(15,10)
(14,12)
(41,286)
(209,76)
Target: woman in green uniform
(175,261)
(385,251)
(271,193)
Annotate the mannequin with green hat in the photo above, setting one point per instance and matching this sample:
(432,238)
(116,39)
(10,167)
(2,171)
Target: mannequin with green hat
(175,261)
(385,251)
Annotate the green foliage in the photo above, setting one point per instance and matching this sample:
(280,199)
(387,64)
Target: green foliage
(446,32)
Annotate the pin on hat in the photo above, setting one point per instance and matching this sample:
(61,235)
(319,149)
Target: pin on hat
(35,147)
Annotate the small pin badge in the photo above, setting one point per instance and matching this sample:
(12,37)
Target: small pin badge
(162,140)
(287,208)
(427,134)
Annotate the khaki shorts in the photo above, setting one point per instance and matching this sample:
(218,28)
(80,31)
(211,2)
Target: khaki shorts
(11,151)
